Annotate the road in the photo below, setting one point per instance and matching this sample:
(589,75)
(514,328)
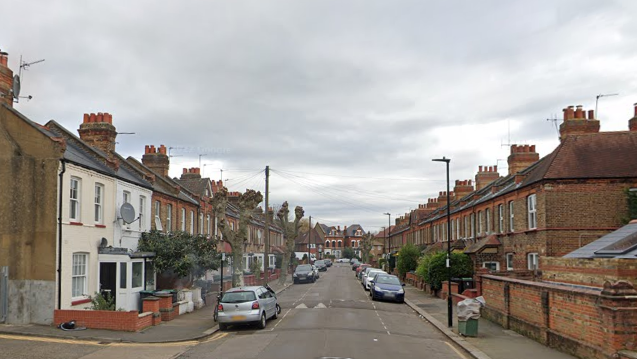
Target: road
(332,318)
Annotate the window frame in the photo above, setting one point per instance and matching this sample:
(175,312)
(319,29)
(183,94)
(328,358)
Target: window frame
(75,199)
(192,222)
(75,276)
(142,213)
(169,217)
(480,224)
(99,203)
(497,265)
(531,202)
(511,216)
(487,218)
(509,260)
(533,261)
(500,218)
(183,220)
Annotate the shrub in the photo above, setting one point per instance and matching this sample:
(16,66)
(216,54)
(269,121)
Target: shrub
(99,302)
(407,259)
(433,268)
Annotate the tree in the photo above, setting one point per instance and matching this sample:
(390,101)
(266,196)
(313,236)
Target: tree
(290,232)
(348,253)
(366,247)
(433,268)
(304,226)
(181,252)
(407,259)
(248,202)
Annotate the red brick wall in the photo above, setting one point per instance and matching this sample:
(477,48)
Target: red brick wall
(102,319)
(576,320)
(591,272)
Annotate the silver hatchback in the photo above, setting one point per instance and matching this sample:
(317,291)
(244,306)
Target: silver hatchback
(243,305)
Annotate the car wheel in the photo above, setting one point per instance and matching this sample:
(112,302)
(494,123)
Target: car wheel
(223,326)
(278,309)
(262,321)
(276,312)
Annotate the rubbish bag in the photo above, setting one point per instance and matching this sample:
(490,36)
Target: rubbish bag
(470,308)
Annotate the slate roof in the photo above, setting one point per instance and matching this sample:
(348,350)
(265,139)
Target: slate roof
(195,185)
(621,243)
(164,185)
(302,238)
(351,230)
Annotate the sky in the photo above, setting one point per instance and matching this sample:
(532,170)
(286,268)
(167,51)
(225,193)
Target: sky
(347,102)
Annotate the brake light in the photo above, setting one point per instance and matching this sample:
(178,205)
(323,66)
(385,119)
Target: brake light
(255,305)
(220,307)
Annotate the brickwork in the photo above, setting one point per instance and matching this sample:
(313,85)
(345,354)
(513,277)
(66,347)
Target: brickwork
(588,271)
(583,322)
(101,319)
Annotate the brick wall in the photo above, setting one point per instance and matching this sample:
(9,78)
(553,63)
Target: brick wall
(102,319)
(588,323)
(587,271)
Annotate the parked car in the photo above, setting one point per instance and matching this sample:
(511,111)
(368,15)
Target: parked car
(342,260)
(387,286)
(316,271)
(364,272)
(304,273)
(328,262)
(321,265)
(246,305)
(370,275)
(355,264)
(361,268)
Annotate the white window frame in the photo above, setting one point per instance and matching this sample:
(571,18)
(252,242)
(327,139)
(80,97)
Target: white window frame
(183,219)
(533,260)
(169,217)
(79,281)
(511,216)
(480,223)
(157,218)
(208,225)
(75,197)
(99,203)
(126,196)
(142,212)
(192,222)
(509,261)
(457,228)
(466,226)
(487,215)
(473,226)
(501,218)
(531,201)
(497,265)
(201,223)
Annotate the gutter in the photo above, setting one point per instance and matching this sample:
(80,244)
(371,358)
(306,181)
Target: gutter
(60,234)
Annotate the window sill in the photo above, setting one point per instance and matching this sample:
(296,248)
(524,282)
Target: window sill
(80,301)
(76,223)
(100,226)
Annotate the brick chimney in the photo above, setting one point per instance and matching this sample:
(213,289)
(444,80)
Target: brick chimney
(432,203)
(463,188)
(632,123)
(6,80)
(486,175)
(156,159)
(576,123)
(97,131)
(191,173)
(521,157)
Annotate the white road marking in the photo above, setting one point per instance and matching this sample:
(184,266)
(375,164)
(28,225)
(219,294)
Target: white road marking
(320,306)
(301,306)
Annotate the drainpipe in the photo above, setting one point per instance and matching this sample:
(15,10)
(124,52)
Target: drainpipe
(60,234)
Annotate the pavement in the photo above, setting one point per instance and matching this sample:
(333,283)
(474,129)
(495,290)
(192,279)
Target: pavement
(492,340)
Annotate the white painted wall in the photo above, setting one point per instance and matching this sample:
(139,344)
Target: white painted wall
(128,235)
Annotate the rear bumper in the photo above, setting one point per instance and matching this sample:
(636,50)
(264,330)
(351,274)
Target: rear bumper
(239,317)
(393,296)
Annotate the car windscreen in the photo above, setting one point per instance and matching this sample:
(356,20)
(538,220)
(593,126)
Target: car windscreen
(238,297)
(304,268)
(386,279)
(319,262)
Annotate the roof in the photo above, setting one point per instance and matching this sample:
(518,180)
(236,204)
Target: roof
(621,243)
(351,230)
(196,185)
(302,238)
(490,241)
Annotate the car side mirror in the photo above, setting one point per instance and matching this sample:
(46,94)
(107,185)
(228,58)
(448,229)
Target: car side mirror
(403,284)
(371,281)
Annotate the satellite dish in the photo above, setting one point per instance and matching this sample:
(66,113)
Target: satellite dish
(127,212)
(103,243)
(16,86)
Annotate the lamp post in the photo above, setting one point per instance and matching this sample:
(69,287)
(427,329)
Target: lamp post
(388,237)
(449,302)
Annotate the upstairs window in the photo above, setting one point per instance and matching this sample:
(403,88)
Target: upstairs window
(511,217)
(532,261)
(531,202)
(158,225)
(192,222)
(74,196)
(183,219)
(169,217)
(501,219)
(480,223)
(509,260)
(142,212)
(488,219)
(99,203)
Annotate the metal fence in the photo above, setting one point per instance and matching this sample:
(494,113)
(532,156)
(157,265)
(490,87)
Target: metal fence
(4,293)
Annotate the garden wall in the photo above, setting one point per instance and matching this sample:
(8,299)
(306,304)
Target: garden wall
(105,319)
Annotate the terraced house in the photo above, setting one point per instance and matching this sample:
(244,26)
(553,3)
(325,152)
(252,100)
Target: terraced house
(543,207)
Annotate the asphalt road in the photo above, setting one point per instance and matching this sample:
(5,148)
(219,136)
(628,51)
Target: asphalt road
(332,318)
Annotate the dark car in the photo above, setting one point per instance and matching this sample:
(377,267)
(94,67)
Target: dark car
(321,265)
(328,262)
(304,273)
(355,265)
(387,287)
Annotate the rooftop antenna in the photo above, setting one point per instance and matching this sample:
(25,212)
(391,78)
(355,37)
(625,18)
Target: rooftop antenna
(174,148)
(17,82)
(200,158)
(508,144)
(125,133)
(597,99)
(554,119)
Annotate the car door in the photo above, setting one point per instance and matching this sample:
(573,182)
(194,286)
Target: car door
(266,300)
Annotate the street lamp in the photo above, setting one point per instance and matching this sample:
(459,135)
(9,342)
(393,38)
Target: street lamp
(388,237)
(449,302)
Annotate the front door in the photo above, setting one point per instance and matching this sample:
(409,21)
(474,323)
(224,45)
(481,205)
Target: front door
(108,276)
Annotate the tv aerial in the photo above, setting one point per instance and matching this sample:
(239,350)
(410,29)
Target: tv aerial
(15,89)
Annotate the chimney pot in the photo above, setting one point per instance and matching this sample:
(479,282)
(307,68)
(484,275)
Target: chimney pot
(579,113)
(591,114)
(532,148)
(185,170)
(635,109)
(146,148)
(495,168)
(92,117)
(86,118)
(480,169)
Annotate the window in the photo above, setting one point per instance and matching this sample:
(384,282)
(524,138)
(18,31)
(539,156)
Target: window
(472,224)
(493,266)
(122,275)
(157,210)
(183,219)
(126,199)
(452,230)
(74,205)
(466,227)
(138,274)
(511,215)
(142,212)
(457,227)
(532,261)
(200,223)
(488,219)
(169,217)
(480,224)
(334,244)
(192,222)
(327,244)
(509,260)
(99,203)
(532,211)
(149,274)
(500,219)
(208,225)
(340,243)
(353,244)
(79,274)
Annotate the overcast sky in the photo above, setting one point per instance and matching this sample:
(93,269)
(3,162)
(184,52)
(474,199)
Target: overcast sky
(346,101)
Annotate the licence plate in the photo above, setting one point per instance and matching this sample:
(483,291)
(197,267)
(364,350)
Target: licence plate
(389,295)
(238,317)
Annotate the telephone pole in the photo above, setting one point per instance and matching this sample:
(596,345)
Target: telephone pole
(309,242)
(266,251)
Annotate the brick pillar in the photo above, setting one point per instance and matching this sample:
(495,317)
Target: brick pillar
(618,305)
(165,306)
(151,304)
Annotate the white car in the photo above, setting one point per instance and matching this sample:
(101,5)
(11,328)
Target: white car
(370,275)
(316,271)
